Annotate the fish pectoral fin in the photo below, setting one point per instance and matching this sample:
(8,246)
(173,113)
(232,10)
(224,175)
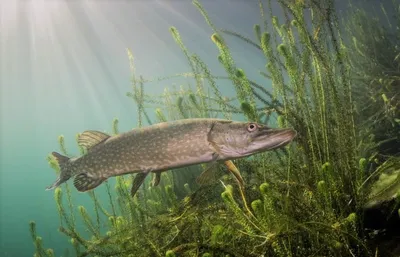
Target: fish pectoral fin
(137,182)
(90,138)
(234,170)
(211,174)
(156,179)
(85,181)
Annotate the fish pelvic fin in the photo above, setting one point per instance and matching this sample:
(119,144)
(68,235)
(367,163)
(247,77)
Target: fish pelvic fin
(87,181)
(65,174)
(137,182)
(156,179)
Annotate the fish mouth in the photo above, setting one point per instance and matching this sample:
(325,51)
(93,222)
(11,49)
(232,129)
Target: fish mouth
(270,139)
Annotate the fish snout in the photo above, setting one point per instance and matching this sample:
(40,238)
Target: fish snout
(274,138)
(288,135)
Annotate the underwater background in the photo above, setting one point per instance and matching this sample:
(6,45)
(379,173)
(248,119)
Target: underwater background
(67,67)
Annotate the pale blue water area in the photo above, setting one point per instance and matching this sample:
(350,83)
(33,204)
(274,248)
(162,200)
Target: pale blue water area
(64,69)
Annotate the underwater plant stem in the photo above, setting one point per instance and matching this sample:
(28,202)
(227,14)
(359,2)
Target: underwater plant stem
(110,198)
(74,235)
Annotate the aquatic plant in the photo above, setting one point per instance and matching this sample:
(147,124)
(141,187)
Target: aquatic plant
(304,200)
(374,53)
(375,60)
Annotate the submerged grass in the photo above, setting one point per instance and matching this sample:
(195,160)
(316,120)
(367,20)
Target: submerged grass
(375,56)
(305,199)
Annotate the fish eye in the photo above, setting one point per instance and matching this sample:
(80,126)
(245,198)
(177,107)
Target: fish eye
(251,127)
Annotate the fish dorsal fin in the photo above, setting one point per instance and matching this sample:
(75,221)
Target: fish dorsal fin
(91,138)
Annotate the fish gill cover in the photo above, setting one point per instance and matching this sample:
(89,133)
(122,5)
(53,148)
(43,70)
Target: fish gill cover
(305,200)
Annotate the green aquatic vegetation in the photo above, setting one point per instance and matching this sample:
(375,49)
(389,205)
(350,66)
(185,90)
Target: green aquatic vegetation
(374,53)
(387,186)
(305,200)
(38,242)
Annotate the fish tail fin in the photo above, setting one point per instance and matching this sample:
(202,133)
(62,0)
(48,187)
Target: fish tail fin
(64,172)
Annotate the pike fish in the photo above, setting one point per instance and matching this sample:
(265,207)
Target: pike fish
(165,146)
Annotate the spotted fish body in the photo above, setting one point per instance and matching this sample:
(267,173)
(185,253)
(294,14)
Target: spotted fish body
(165,146)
